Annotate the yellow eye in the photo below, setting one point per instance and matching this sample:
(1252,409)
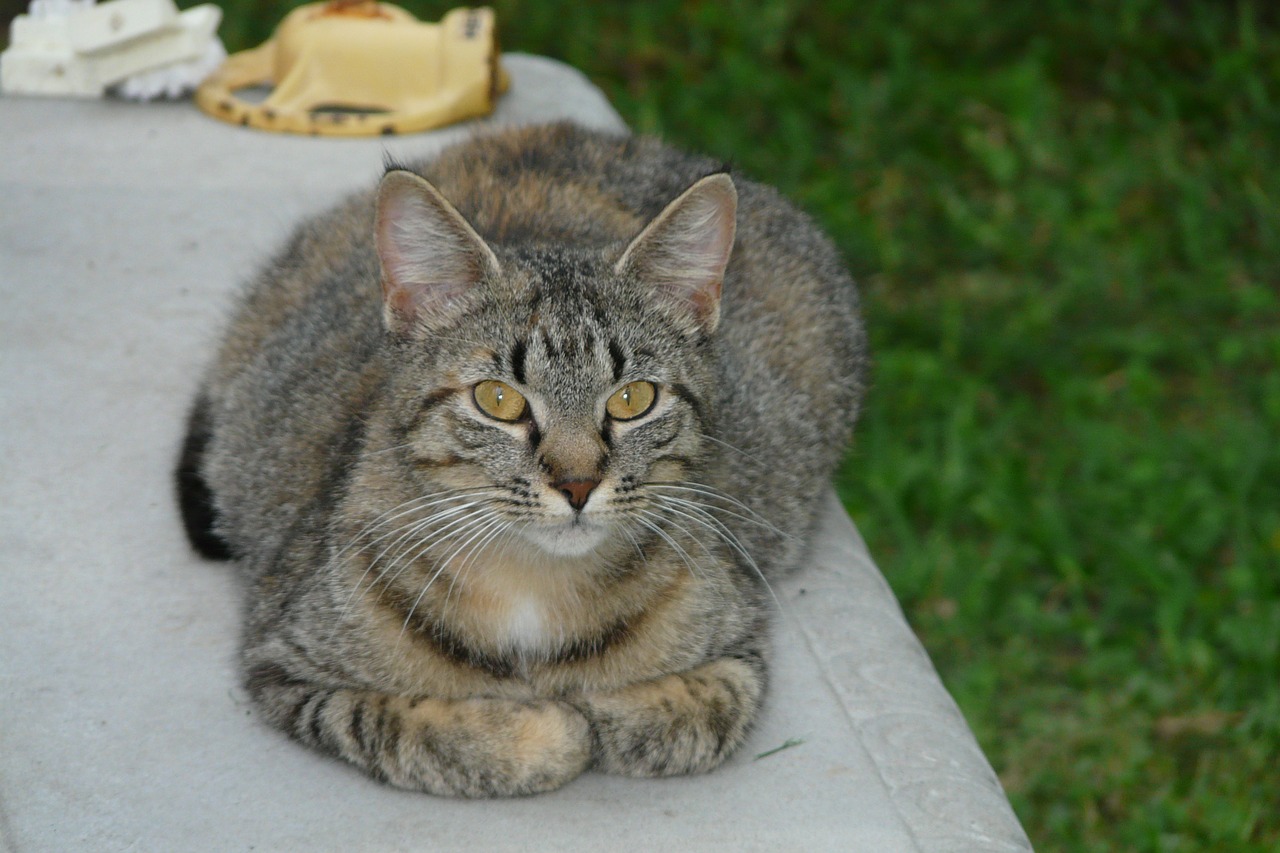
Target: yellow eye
(631,401)
(499,400)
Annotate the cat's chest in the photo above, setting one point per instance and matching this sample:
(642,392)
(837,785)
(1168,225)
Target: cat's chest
(521,624)
(541,609)
(512,607)
(548,626)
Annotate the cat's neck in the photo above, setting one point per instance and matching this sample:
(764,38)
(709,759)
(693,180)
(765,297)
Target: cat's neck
(515,599)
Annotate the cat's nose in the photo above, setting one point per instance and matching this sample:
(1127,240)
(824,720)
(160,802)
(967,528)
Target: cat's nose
(576,491)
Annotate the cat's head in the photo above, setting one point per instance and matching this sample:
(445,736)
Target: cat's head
(562,391)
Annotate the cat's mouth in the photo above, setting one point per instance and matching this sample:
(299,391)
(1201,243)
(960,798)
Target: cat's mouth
(570,537)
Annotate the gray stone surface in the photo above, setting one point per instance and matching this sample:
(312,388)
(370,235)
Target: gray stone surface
(123,230)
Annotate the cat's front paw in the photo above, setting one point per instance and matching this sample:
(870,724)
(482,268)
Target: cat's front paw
(502,748)
(688,722)
(481,747)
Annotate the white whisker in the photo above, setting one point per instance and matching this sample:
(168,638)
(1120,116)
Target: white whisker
(410,553)
(403,509)
(391,449)
(735,449)
(410,538)
(473,552)
(684,555)
(483,527)
(714,493)
(699,515)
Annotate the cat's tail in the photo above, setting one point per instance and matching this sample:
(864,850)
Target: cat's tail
(195,500)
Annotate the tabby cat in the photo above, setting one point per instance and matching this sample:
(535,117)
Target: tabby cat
(506,473)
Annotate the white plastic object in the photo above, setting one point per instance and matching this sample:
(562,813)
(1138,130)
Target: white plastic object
(79,49)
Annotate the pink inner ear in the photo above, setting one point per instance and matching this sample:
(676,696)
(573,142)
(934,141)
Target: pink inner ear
(430,256)
(683,252)
(706,300)
(398,299)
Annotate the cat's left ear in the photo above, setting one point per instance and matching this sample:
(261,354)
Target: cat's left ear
(683,252)
(431,256)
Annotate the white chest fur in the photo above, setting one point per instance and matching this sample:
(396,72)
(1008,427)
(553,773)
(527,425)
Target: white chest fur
(525,626)
(527,603)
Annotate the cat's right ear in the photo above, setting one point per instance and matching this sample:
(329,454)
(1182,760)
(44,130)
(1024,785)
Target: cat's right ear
(431,257)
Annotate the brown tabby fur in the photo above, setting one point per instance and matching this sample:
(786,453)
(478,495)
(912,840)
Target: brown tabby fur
(498,649)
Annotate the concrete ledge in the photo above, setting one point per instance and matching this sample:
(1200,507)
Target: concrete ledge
(123,229)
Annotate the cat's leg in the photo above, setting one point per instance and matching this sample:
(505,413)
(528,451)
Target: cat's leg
(688,722)
(195,500)
(480,747)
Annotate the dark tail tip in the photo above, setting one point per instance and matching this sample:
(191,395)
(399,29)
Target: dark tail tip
(195,501)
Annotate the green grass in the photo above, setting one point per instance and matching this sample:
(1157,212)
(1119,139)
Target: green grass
(1064,216)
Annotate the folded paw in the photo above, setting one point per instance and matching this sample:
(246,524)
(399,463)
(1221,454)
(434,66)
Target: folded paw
(479,747)
(683,723)
(493,747)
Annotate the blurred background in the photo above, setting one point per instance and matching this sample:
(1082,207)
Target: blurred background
(1064,219)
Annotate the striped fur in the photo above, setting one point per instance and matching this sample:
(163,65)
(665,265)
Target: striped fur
(426,600)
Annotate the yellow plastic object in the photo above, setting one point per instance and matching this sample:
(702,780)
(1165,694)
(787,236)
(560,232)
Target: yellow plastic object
(359,68)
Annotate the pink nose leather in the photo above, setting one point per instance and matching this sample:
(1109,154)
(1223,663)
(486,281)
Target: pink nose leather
(576,491)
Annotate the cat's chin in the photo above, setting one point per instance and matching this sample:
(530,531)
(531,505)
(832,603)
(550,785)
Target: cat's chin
(567,540)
